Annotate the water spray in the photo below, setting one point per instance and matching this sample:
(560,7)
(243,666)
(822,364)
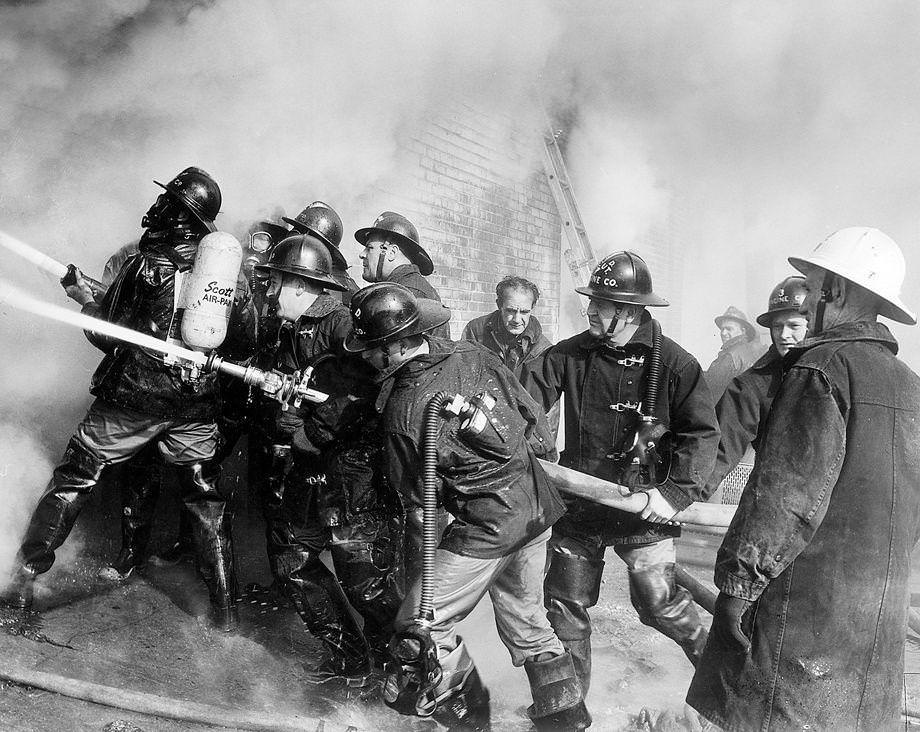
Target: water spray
(66,273)
(285,388)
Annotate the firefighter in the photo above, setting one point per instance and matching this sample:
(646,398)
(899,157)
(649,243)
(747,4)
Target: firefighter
(392,253)
(141,478)
(741,347)
(814,571)
(606,374)
(487,477)
(320,220)
(326,491)
(140,399)
(742,411)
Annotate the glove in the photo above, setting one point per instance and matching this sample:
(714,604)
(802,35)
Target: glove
(726,620)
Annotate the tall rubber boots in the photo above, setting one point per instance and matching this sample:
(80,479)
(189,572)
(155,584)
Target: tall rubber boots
(210,519)
(320,603)
(463,701)
(558,701)
(572,586)
(141,480)
(668,608)
(52,521)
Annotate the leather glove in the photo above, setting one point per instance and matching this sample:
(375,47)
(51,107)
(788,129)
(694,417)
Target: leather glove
(726,620)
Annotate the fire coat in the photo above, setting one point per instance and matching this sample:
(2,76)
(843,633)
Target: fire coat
(735,356)
(141,297)
(603,388)
(408,276)
(336,438)
(491,483)
(742,413)
(821,543)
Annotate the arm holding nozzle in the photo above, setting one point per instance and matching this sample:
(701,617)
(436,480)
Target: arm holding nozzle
(81,288)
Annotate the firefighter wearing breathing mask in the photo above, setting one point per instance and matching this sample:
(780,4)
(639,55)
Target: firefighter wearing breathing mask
(626,387)
(142,399)
(325,490)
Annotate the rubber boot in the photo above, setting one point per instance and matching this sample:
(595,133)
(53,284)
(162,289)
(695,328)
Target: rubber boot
(183,548)
(19,594)
(320,603)
(463,701)
(140,489)
(558,703)
(367,565)
(52,521)
(210,520)
(572,586)
(668,608)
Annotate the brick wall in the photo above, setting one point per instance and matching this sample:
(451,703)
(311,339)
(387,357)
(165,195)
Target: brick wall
(473,183)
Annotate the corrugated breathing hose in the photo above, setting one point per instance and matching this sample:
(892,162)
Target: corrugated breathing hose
(431,424)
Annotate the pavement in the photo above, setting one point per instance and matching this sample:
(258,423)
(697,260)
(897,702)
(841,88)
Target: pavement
(150,635)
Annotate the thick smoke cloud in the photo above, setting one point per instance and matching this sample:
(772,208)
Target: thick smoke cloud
(765,126)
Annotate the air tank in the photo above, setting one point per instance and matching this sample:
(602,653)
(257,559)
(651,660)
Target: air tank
(206,297)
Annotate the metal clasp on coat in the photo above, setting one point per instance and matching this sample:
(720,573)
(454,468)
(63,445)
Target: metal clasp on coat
(631,361)
(627,407)
(316,479)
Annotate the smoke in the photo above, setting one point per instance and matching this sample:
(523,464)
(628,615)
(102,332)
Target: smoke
(768,126)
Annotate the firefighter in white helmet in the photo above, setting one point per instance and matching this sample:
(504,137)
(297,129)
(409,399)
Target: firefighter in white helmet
(808,630)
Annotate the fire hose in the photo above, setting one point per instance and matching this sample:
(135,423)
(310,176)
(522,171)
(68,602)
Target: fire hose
(66,273)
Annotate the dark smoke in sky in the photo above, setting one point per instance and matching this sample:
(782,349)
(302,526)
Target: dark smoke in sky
(765,125)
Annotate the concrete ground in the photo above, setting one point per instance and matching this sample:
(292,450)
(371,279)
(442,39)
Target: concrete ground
(150,635)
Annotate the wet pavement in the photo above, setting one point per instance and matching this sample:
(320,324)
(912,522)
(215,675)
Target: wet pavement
(150,635)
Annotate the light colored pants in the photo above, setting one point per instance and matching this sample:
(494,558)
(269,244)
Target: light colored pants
(515,585)
(114,434)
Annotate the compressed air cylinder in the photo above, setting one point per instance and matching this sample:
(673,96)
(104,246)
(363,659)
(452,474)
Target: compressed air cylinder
(207,293)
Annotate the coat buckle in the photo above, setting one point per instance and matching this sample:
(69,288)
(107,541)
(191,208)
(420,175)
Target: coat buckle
(631,361)
(627,407)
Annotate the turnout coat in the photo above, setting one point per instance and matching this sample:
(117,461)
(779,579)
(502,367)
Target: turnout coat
(821,542)
(603,387)
(742,413)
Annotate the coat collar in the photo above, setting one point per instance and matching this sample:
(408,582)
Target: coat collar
(403,271)
(738,340)
(768,360)
(531,333)
(861,330)
(642,338)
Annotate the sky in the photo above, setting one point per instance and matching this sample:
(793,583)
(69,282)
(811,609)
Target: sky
(766,126)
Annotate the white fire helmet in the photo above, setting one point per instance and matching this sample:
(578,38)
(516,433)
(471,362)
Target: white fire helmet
(867,257)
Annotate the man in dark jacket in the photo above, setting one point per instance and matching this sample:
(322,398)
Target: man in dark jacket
(808,630)
(329,492)
(488,478)
(741,347)
(141,399)
(742,411)
(511,332)
(605,374)
(392,253)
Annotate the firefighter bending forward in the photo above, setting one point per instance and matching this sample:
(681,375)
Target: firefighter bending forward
(488,478)
(604,374)
(332,495)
